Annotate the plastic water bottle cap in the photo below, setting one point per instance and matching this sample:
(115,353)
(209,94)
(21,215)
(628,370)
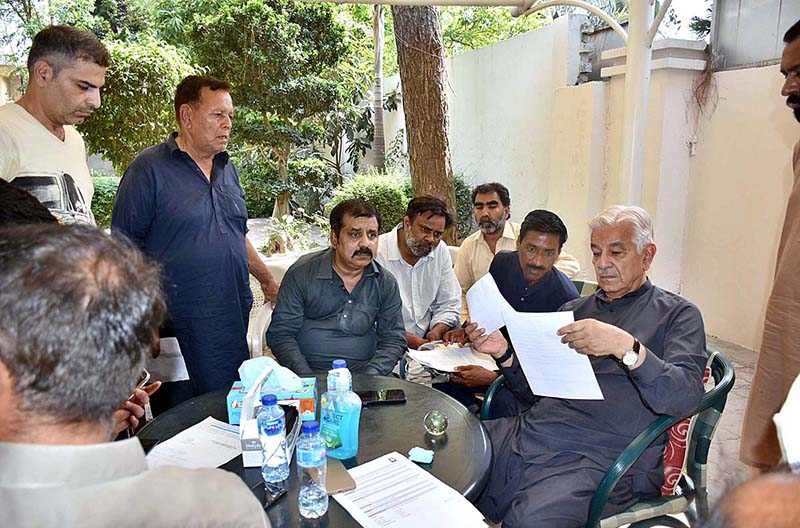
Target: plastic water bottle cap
(311,426)
(269,399)
(339,363)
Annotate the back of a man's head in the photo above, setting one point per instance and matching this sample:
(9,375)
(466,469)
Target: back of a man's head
(19,207)
(61,46)
(80,311)
(772,499)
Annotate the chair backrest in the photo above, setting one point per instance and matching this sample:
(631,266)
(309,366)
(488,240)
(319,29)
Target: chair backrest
(585,287)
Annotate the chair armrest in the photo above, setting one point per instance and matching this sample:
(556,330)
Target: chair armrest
(257,330)
(489,397)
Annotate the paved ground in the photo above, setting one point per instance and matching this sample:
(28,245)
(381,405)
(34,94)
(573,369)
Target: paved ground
(725,469)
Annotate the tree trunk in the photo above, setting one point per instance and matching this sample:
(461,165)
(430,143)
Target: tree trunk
(281,207)
(420,55)
(378,142)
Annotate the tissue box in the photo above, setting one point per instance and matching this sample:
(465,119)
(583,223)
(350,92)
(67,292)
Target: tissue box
(305,399)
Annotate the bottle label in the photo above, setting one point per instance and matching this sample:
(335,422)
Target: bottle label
(331,421)
(274,426)
(310,457)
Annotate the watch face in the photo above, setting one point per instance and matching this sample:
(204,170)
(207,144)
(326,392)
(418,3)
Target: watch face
(630,358)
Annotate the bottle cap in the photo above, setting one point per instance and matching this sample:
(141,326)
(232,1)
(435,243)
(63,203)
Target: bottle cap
(269,399)
(339,363)
(312,426)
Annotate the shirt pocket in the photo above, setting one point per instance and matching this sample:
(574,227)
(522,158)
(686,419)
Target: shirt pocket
(233,202)
(358,318)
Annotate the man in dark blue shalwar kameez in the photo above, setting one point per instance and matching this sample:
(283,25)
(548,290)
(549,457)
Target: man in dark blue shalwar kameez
(181,203)
(647,349)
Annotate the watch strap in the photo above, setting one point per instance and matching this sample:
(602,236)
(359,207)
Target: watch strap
(505,357)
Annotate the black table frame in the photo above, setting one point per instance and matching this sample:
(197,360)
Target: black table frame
(462,457)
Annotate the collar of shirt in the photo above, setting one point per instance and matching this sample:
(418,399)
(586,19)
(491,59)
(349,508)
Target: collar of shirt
(626,299)
(38,465)
(221,157)
(389,241)
(326,267)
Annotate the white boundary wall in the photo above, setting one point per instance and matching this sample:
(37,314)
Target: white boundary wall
(716,187)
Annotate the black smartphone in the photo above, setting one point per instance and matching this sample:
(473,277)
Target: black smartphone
(382,397)
(266,498)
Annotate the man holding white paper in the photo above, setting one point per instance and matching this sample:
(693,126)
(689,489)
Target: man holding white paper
(647,350)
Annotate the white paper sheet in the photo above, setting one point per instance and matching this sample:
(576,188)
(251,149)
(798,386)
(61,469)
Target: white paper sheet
(787,422)
(393,492)
(551,367)
(208,444)
(487,305)
(169,365)
(447,359)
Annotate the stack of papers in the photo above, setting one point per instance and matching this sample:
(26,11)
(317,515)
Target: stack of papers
(550,366)
(393,492)
(208,444)
(447,359)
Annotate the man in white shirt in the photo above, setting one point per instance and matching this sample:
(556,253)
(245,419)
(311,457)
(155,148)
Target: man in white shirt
(414,254)
(81,309)
(67,68)
(492,206)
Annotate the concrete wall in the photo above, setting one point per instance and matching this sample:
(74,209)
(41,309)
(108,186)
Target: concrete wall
(716,185)
(740,181)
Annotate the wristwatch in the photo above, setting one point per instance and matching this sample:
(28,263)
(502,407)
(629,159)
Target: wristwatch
(632,356)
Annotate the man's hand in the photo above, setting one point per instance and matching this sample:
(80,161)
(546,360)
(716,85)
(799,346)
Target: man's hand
(270,289)
(473,376)
(415,341)
(437,332)
(459,335)
(493,344)
(129,413)
(593,338)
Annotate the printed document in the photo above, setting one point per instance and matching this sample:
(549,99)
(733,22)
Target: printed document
(787,423)
(208,444)
(169,365)
(551,367)
(393,492)
(487,305)
(446,359)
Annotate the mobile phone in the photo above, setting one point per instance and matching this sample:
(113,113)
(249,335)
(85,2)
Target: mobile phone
(382,397)
(265,497)
(144,377)
(338,479)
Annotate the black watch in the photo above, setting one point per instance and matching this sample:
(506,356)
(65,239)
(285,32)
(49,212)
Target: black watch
(505,357)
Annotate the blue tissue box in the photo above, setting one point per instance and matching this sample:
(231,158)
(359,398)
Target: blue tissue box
(304,399)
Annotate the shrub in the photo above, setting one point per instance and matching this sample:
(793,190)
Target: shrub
(105,192)
(294,234)
(384,191)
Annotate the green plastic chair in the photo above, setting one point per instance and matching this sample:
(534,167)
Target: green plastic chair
(585,287)
(691,496)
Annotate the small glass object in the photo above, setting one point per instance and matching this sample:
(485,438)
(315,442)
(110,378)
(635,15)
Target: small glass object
(435,423)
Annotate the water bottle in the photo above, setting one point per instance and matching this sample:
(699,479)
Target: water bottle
(340,411)
(272,433)
(311,468)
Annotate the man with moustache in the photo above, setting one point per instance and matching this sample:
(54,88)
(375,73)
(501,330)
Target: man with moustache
(778,362)
(420,263)
(339,303)
(492,205)
(181,203)
(530,282)
(67,69)
(648,351)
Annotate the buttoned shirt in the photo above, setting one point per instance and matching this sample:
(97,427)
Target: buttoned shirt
(316,320)
(429,288)
(100,485)
(475,257)
(546,295)
(195,228)
(669,381)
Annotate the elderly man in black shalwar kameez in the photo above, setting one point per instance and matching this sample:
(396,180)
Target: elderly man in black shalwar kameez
(647,349)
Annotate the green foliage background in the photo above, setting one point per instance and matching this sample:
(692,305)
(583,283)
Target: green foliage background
(105,192)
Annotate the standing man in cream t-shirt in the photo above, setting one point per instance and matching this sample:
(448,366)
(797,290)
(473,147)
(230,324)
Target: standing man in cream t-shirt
(67,68)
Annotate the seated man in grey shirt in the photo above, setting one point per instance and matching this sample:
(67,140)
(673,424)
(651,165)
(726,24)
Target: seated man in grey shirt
(647,349)
(81,310)
(339,303)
